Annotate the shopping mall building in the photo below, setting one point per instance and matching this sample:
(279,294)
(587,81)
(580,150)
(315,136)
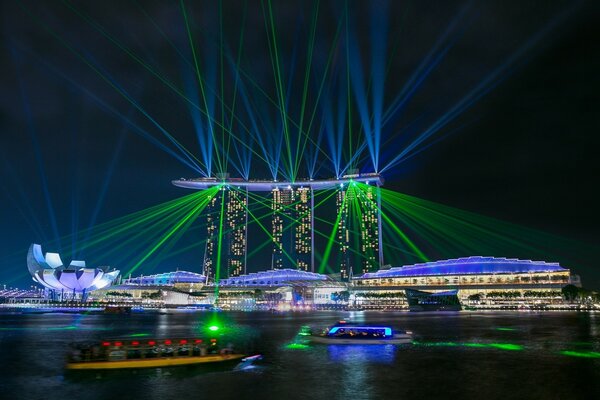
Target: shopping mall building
(485,279)
(481,278)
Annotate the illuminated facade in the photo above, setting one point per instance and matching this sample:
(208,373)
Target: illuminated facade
(281,206)
(274,278)
(292,228)
(237,224)
(343,235)
(232,230)
(472,276)
(173,278)
(369,229)
(359,230)
(303,229)
(292,223)
(76,278)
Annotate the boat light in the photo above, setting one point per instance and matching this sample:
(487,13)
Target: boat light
(182,341)
(152,343)
(105,343)
(213,328)
(198,341)
(168,341)
(118,343)
(135,343)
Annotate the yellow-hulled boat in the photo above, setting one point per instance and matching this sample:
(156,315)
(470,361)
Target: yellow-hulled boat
(153,353)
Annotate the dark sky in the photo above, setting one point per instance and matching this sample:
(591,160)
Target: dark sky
(522,149)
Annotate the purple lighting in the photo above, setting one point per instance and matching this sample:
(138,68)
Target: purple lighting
(467,266)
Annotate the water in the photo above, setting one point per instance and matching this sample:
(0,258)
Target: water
(455,355)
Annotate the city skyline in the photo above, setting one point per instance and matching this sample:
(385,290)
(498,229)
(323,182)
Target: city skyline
(482,110)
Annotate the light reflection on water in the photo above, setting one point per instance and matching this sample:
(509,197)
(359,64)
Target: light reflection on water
(557,353)
(360,354)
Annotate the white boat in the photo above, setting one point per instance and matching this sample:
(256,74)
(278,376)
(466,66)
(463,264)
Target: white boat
(345,333)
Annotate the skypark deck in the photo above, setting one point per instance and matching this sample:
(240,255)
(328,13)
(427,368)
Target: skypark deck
(268,185)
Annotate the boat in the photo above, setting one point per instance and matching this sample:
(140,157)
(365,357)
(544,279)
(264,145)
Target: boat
(152,353)
(348,333)
(114,309)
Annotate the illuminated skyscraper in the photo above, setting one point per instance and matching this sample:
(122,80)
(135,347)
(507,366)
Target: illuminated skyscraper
(236,234)
(233,231)
(213,212)
(292,222)
(292,231)
(369,229)
(343,236)
(282,209)
(359,230)
(303,235)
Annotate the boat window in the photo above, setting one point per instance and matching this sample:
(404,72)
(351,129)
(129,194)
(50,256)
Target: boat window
(134,353)
(116,355)
(183,350)
(151,352)
(358,333)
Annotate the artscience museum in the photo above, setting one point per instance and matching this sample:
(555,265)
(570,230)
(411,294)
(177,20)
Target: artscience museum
(74,279)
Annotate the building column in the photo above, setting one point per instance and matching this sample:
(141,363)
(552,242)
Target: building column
(379,230)
(246,234)
(312,229)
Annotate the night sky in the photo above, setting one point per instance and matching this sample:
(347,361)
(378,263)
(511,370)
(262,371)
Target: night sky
(522,147)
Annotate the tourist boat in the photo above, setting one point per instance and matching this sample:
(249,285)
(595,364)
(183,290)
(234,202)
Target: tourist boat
(114,309)
(348,333)
(152,353)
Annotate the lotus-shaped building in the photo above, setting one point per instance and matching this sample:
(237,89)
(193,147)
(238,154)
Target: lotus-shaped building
(50,271)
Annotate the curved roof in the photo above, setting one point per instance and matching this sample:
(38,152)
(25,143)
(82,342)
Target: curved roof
(467,266)
(167,278)
(268,185)
(273,277)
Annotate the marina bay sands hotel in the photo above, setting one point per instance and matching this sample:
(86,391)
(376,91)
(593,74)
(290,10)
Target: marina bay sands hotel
(292,214)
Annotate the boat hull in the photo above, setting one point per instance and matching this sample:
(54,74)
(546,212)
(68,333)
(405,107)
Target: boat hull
(397,339)
(158,362)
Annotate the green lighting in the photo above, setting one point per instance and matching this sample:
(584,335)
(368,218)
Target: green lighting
(475,345)
(213,328)
(297,346)
(506,346)
(505,329)
(581,354)
(500,346)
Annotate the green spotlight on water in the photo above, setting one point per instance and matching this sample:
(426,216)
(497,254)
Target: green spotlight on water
(500,346)
(297,346)
(213,328)
(507,346)
(581,354)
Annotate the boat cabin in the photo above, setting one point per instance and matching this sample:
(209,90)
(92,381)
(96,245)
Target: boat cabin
(359,332)
(119,350)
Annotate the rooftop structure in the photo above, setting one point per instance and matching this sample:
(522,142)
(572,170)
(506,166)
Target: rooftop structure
(166,279)
(467,266)
(268,185)
(279,277)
